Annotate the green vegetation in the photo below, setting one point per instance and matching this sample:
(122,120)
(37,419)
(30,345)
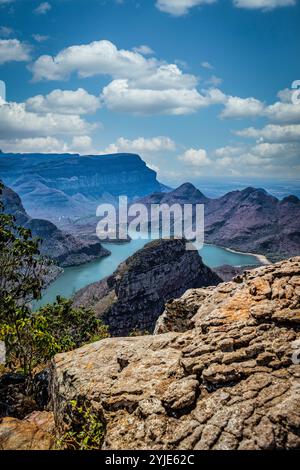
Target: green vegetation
(32,338)
(87,431)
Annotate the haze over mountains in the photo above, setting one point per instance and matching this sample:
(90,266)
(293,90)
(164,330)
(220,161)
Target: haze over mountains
(56,186)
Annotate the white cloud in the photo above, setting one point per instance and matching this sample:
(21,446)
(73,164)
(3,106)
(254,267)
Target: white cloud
(195,157)
(207,65)
(284,112)
(236,107)
(165,77)
(180,7)
(228,151)
(79,144)
(140,85)
(142,145)
(4,2)
(144,50)
(36,144)
(13,50)
(119,96)
(64,102)
(96,58)
(43,8)
(16,122)
(263,4)
(272,133)
(82,144)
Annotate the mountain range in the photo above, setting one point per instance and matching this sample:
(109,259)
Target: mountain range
(66,189)
(250,220)
(63,186)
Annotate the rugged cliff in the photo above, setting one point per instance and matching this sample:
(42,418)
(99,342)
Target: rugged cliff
(135,295)
(64,186)
(63,248)
(228,380)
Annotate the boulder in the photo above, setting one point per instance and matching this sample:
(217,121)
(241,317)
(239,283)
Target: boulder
(228,380)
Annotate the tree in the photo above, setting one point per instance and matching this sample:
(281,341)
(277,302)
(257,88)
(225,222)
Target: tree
(32,338)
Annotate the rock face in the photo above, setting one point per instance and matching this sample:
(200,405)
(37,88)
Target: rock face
(33,433)
(135,295)
(63,248)
(71,186)
(250,220)
(229,380)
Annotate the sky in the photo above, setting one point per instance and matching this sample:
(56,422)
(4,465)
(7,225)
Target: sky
(201,89)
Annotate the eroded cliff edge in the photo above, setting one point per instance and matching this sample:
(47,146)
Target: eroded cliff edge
(228,378)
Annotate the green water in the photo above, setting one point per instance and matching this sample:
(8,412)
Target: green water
(76,278)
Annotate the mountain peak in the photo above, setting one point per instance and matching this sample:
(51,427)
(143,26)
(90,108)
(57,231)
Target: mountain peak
(188,190)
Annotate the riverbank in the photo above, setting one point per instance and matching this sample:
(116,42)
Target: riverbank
(261,258)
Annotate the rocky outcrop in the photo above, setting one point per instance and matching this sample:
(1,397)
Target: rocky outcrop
(63,248)
(230,379)
(250,220)
(36,432)
(63,186)
(135,295)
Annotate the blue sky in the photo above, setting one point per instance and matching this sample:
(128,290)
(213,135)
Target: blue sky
(199,88)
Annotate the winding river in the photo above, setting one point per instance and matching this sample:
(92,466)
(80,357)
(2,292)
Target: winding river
(77,277)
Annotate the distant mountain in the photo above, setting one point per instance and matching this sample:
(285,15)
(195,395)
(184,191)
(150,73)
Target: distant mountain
(185,194)
(250,220)
(56,186)
(63,248)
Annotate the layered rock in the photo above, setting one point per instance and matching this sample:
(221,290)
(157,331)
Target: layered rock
(63,248)
(230,379)
(135,295)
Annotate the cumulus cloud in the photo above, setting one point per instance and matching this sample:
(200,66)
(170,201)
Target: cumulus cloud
(13,50)
(139,85)
(120,96)
(78,144)
(273,133)
(180,7)
(141,145)
(283,112)
(36,144)
(236,107)
(16,122)
(96,58)
(64,102)
(263,4)
(195,157)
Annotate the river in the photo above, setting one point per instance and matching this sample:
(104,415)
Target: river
(77,277)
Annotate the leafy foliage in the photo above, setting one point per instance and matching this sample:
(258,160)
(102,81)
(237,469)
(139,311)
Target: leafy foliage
(32,338)
(87,431)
